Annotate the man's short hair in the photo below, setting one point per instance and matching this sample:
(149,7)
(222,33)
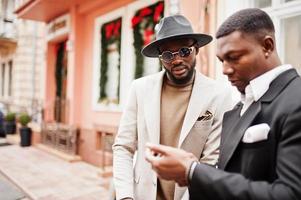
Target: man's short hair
(251,20)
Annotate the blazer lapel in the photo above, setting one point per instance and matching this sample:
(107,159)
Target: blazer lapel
(279,84)
(196,106)
(152,107)
(231,118)
(234,134)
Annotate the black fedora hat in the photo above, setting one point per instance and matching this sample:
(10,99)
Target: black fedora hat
(170,28)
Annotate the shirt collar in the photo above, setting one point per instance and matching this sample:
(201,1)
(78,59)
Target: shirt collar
(259,85)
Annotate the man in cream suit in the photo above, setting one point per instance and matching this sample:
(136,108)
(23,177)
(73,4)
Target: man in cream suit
(260,154)
(178,107)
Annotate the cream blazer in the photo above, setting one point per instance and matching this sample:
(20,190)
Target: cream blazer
(140,123)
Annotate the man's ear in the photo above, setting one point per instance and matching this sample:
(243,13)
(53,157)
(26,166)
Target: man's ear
(268,44)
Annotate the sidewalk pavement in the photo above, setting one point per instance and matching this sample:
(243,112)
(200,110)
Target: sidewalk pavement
(42,176)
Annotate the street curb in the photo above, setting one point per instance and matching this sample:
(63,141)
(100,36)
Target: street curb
(24,190)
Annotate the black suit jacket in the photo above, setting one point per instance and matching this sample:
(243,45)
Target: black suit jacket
(269,169)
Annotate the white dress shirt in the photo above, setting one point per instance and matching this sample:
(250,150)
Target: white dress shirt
(259,85)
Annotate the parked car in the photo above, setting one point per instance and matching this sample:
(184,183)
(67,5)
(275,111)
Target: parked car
(2,132)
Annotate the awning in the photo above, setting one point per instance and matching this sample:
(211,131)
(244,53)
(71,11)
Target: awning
(45,10)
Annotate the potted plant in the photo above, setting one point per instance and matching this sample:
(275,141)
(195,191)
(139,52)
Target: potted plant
(25,131)
(10,123)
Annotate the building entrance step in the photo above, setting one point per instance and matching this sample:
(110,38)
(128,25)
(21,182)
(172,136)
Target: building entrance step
(60,154)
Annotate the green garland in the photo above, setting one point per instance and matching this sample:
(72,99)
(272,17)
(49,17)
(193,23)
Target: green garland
(118,88)
(109,36)
(59,69)
(138,44)
(104,65)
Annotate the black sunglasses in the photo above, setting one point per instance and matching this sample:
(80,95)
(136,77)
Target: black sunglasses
(168,56)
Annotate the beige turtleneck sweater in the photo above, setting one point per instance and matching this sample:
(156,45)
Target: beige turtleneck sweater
(174,103)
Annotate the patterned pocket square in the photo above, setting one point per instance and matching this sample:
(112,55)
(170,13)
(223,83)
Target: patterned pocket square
(207,116)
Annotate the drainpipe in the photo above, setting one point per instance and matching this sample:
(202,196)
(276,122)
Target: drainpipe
(33,68)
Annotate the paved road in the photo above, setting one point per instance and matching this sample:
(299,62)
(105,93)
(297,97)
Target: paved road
(9,191)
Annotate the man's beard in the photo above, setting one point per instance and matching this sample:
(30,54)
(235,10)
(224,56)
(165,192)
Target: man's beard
(184,80)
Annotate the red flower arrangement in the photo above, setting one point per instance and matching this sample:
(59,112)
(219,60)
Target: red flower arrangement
(113,29)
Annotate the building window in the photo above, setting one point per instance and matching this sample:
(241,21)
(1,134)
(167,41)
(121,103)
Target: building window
(107,61)
(6,79)
(287,19)
(110,34)
(262,3)
(10,77)
(119,37)
(292,38)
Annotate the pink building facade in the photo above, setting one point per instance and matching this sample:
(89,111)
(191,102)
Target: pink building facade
(91,60)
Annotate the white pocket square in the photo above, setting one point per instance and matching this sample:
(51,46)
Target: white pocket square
(256,133)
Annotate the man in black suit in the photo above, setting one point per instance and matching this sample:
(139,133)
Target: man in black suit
(260,153)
